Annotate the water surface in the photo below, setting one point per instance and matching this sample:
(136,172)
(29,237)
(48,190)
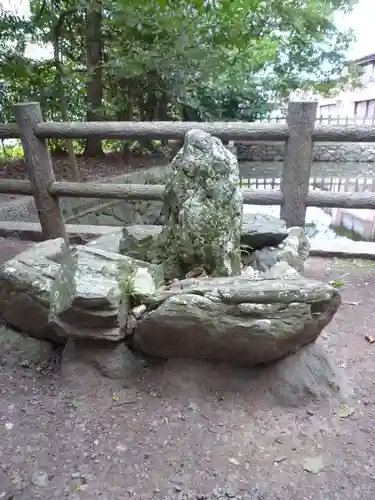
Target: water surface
(339,177)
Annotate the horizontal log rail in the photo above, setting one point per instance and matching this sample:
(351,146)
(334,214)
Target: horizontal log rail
(9,131)
(146,192)
(176,130)
(294,196)
(236,131)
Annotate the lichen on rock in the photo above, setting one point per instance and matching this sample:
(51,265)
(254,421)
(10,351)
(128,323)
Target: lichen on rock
(202,209)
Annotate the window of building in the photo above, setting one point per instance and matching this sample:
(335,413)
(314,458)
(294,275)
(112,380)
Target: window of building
(328,110)
(365,109)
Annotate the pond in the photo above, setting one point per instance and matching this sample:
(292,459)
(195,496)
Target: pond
(321,224)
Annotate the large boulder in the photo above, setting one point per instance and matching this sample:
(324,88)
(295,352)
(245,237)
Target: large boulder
(235,320)
(56,293)
(25,285)
(202,210)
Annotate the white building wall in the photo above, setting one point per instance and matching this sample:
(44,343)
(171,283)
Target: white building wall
(344,104)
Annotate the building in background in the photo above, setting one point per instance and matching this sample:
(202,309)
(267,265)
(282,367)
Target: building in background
(358,103)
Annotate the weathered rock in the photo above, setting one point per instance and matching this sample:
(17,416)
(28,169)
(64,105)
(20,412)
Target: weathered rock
(294,250)
(139,241)
(112,360)
(281,270)
(306,376)
(25,284)
(85,292)
(80,286)
(108,242)
(19,349)
(235,320)
(203,209)
(259,230)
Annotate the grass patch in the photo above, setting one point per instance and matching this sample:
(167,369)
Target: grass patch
(10,152)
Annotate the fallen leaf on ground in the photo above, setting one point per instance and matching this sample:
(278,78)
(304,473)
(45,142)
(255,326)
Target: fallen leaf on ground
(369,339)
(234,461)
(336,283)
(345,411)
(314,465)
(75,404)
(353,303)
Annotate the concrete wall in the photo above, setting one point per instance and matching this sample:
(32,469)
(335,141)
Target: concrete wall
(327,152)
(97,211)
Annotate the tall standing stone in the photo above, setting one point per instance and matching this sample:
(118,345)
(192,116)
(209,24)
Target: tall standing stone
(203,208)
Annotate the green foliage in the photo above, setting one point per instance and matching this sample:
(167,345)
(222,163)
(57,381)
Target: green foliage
(224,60)
(10,152)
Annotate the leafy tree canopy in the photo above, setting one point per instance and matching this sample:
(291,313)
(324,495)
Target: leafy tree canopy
(125,59)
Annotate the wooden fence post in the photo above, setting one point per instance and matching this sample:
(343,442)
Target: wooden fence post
(297,161)
(40,170)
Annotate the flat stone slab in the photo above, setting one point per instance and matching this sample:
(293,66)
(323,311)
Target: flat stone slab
(260,230)
(235,320)
(109,242)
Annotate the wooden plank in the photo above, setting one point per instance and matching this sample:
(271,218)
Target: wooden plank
(325,199)
(108,190)
(297,161)
(14,186)
(236,131)
(155,192)
(40,170)
(9,131)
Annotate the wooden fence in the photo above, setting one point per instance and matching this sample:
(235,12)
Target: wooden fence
(329,120)
(293,197)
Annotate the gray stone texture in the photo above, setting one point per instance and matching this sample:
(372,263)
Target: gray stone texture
(236,320)
(55,295)
(112,360)
(259,230)
(325,152)
(202,209)
(19,349)
(309,375)
(294,250)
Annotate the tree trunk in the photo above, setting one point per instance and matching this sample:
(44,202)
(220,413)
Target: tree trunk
(125,113)
(63,101)
(94,85)
(162,112)
(148,109)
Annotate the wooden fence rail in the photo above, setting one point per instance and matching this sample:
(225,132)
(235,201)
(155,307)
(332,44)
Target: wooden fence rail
(236,131)
(293,196)
(148,192)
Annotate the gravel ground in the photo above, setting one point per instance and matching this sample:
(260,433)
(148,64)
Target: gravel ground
(186,430)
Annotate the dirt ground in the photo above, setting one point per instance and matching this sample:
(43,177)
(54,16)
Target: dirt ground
(190,431)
